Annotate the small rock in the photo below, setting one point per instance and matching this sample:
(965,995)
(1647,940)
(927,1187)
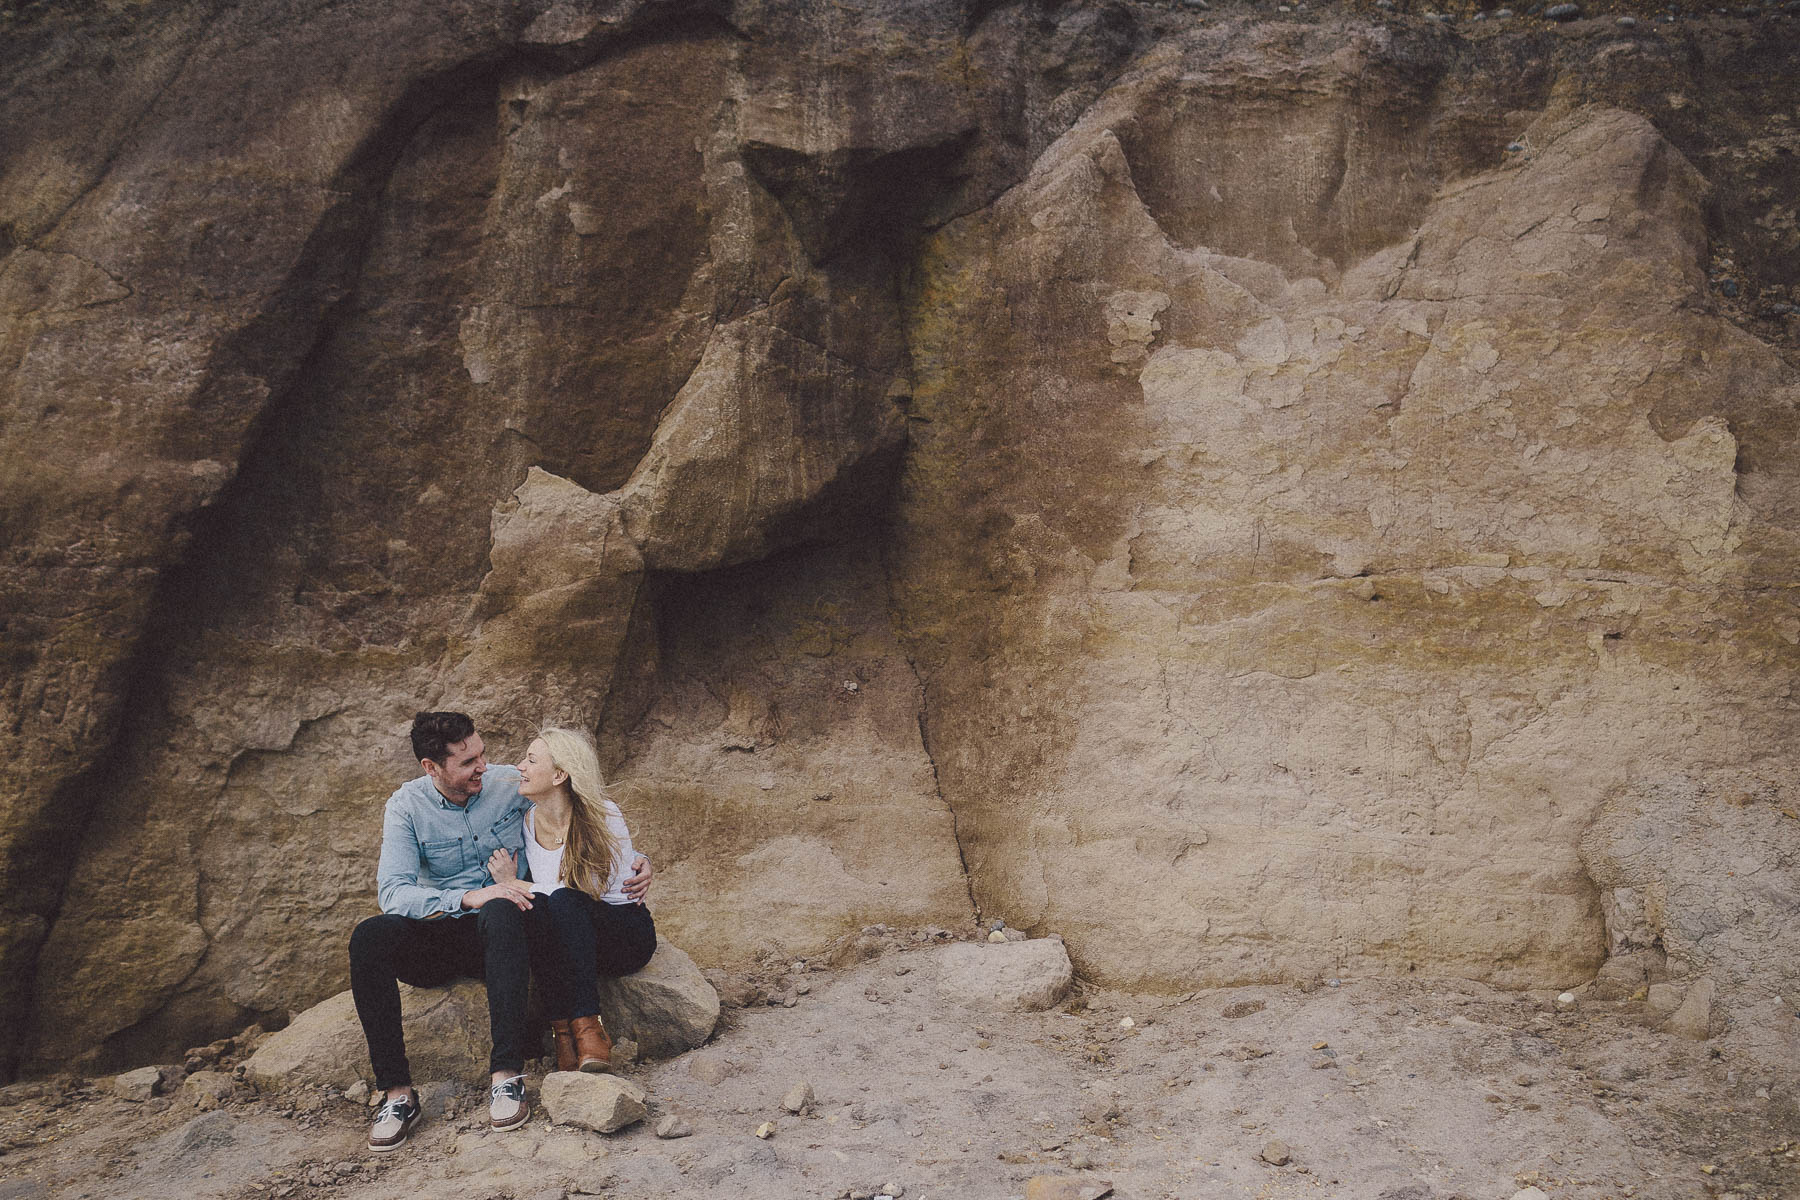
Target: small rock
(1628,22)
(858,949)
(1523,1080)
(1244,1008)
(1503,14)
(672,1126)
(1066,1187)
(1563,12)
(996,936)
(139,1085)
(710,1069)
(766,1130)
(1127,1023)
(602,1103)
(1566,1000)
(1728,288)
(624,1054)
(997,924)
(1693,1020)
(1276,1154)
(798,1097)
(1385,5)
(1017,935)
(1663,998)
(896,1190)
(358,1092)
(207,1090)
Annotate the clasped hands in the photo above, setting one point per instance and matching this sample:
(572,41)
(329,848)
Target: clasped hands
(509,887)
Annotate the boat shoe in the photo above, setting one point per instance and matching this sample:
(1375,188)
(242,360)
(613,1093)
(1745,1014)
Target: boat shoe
(507,1106)
(394,1120)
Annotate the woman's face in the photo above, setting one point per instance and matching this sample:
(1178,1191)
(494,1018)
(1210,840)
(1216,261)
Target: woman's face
(540,774)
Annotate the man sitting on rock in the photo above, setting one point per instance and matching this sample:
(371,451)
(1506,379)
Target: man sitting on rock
(443,917)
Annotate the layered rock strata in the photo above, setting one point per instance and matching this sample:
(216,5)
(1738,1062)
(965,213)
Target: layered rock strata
(1256,498)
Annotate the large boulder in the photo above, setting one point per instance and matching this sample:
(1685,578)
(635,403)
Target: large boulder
(667,1008)
(1010,976)
(446,1038)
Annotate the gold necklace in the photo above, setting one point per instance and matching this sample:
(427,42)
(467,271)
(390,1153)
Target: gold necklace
(556,840)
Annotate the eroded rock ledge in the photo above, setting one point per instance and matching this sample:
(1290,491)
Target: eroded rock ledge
(1255,498)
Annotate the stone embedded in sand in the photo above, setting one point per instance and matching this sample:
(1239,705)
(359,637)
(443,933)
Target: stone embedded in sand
(673,1126)
(1016,975)
(1276,1153)
(798,1097)
(602,1103)
(1066,1187)
(711,1069)
(1662,999)
(1694,1019)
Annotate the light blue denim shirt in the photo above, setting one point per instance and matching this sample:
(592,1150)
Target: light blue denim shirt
(433,851)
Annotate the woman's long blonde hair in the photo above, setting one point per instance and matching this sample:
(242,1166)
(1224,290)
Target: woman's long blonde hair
(587,860)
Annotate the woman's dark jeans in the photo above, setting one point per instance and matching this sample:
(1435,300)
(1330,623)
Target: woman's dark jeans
(488,944)
(575,939)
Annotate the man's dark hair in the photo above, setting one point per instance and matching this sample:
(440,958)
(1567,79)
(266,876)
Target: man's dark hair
(433,733)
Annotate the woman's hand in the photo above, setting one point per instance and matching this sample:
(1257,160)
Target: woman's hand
(515,892)
(503,867)
(638,885)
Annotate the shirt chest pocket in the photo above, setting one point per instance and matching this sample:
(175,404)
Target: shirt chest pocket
(444,859)
(507,833)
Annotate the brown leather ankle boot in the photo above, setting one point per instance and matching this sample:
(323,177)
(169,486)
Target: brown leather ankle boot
(592,1046)
(566,1058)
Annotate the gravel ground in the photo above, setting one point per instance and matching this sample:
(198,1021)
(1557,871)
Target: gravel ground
(1390,1090)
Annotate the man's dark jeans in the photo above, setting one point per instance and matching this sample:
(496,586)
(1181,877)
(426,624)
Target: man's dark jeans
(488,944)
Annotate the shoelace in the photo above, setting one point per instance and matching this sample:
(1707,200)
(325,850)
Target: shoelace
(511,1089)
(396,1109)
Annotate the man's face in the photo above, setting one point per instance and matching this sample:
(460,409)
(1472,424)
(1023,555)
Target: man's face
(458,779)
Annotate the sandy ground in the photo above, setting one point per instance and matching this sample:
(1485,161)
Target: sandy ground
(1380,1089)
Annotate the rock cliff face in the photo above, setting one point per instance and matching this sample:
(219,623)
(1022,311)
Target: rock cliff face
(1256,498)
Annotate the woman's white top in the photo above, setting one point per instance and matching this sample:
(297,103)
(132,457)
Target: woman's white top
(547,864)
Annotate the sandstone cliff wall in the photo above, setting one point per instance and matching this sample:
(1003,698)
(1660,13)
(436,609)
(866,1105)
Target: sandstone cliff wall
(1257,498)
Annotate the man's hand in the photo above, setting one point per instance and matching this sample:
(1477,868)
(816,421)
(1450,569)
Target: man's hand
(514,891)
(638,885)
(502,866)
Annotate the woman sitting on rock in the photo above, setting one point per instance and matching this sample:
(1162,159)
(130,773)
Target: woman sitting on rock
(582,923)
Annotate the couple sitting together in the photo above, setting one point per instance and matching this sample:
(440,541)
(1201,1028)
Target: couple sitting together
(499,873)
